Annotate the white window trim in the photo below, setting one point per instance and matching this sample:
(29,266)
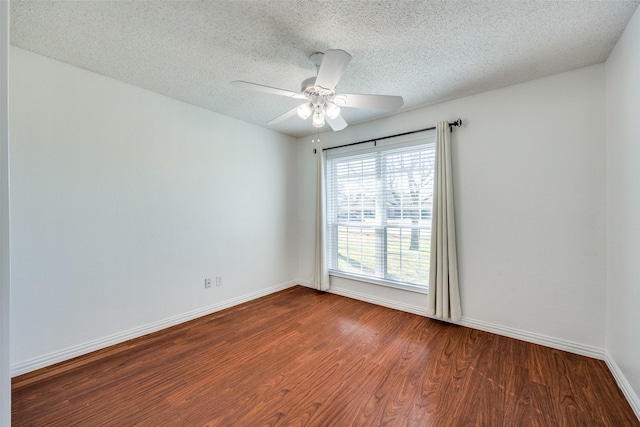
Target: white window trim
(407,141)
(379,281)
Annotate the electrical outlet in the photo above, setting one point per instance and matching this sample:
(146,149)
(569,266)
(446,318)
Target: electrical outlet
(207,282)
(218,280)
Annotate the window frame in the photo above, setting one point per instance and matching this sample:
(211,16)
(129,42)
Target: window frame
(427,139)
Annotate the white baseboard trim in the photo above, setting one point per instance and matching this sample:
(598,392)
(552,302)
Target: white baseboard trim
(557,343)
(532,337)
(624,385)
(98,344)
(414,309)
(371,299)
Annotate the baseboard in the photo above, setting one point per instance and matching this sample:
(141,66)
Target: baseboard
(560,344)
(532,337)
(624,385)
(422,311)
(371,299)
(88,347)
(305,283)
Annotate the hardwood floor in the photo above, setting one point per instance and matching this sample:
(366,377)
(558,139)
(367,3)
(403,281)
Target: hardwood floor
(300,357)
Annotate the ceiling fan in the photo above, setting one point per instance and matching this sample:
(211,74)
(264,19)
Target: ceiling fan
(322,103)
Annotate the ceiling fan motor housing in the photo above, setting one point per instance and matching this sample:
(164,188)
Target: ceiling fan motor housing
(317,95)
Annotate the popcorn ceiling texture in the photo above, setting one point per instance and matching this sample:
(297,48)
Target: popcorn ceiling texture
(427,52)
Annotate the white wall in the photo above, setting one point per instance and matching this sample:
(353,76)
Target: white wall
(529,175)
(123,201)
(5,355)
(623,206)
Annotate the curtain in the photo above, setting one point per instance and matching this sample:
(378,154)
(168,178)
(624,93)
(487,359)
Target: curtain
(444,293)
(321,269)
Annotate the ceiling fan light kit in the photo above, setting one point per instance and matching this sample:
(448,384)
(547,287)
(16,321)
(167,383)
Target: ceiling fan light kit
(318,119)
(331,110)
(304,111)
(323,104)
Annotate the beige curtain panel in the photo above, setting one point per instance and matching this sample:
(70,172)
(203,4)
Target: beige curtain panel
(444,293)
(321,270)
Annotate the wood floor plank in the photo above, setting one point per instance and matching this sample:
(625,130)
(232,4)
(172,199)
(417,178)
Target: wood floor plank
(304,358)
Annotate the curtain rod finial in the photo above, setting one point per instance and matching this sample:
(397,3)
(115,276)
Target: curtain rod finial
(456,123)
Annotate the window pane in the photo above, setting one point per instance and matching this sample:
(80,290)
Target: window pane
(408,255)
(355,192)
(379,213)
(409,187)
(356,250)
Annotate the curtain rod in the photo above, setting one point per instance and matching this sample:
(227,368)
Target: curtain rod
(451,125)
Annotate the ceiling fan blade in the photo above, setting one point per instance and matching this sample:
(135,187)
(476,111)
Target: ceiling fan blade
(267,89)
(336,124)
(381,102)
(333,64)
(283,117)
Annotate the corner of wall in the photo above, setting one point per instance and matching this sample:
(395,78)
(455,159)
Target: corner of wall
(622,210)
(5,354)
(624,385)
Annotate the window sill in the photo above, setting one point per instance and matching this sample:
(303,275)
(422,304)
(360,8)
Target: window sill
(381,282)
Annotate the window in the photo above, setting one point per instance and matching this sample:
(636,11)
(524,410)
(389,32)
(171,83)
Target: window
(379,214)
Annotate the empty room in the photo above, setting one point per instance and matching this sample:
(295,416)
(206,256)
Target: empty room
(333,213)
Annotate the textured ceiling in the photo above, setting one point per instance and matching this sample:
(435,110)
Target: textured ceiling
(427,52)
